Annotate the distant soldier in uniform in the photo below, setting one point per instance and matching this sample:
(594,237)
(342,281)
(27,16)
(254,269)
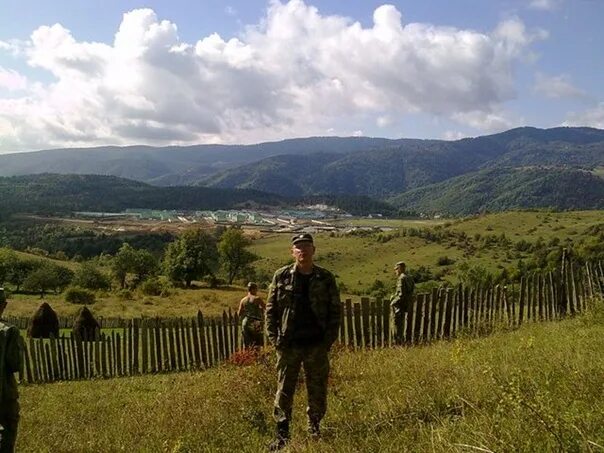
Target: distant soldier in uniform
(251,313)
(10,362)
(401,299)
(302,322)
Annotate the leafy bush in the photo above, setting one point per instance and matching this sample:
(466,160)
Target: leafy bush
(378,289)
(90,277)
(80,296)
(444,261)
(156,287)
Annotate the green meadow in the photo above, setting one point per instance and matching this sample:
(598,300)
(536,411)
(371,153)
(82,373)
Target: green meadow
(538,388)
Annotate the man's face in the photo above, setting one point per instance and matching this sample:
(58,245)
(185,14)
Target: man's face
(303,252)
(398,270)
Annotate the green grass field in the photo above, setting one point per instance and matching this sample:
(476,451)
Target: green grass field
(182,302)
(540,388)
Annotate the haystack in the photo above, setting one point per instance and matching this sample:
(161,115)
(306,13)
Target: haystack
(44,323)
(85,326)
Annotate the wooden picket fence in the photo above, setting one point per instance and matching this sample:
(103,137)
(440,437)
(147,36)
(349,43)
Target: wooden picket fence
(154,345)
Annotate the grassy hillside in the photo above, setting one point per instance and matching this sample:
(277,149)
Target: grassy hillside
(540,388)
(359,259)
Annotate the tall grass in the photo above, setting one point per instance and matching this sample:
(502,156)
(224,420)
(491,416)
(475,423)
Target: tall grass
(540,388)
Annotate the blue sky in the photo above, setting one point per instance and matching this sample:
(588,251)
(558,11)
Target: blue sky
(75,73)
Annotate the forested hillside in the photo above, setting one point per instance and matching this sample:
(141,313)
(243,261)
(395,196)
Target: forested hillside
(503,189)
(49,193)
(410,164)
(55,194)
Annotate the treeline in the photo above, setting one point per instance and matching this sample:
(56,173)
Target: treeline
(218,257)
(62,241)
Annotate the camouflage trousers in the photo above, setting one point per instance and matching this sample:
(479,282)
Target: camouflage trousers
(398,317)
(315,360)
(252,332)
(9,420)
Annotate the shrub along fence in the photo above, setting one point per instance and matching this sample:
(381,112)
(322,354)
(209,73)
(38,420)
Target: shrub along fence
(154,345)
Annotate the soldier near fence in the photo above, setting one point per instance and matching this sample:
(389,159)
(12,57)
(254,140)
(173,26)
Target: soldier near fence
(401,300)
(302,322)
(11,361)
(251,312)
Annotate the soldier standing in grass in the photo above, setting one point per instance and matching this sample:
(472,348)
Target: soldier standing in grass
(401,299)
(251,313)
(11,361)
(302,322)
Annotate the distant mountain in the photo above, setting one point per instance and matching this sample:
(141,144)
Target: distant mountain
(502,189)
(409,164)
(51,194)
(63,194)
(342,167)
(170,165)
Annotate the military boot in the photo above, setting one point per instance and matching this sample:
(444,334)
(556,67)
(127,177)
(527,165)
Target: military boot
(314,428)
(282,437)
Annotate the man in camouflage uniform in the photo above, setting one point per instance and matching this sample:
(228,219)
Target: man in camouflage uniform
(401,299)
(10,362)
(302,322)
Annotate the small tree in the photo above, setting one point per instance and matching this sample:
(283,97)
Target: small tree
(234,255)
(90,277)
(474,275)
(19,272)
(192,256)
(48,277)
(8,258)
(128,260)
(122,262)
(145,265)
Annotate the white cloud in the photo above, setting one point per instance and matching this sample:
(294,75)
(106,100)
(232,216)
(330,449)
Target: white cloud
(454,135)
(230,11)
(593,117)
(384,121)
(490,122)
(546,5)
(12,80)
(291,75)
(357,133)
(556,87)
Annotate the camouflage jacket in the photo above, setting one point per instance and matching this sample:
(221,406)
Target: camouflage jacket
(11,360)
(281,310)
(401,299)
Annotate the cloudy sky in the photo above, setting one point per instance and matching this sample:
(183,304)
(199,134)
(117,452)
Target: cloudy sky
(99,72)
